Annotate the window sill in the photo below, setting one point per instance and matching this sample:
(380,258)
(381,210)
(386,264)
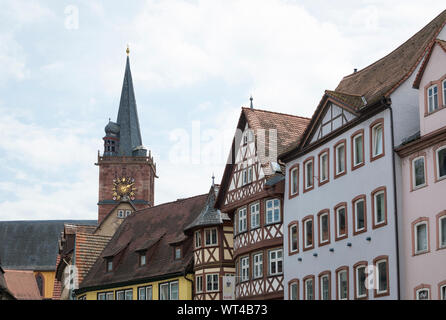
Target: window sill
(373,158)
(321,183)
(209,246)
(308,248)
(321,244)
(272,223)
(427,114)
(306,189)
(380,225)
(338,175)
(420,253)
(359,165)
(341,237)
(440,179)
(419,187)
(355,233)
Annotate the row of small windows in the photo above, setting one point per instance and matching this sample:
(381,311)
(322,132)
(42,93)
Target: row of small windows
(210,237)
(340,159)
(433,101)
(110,145)
(420,234)
(272,215)
(423,292)
(212,283)
(123,213)
(361,274)
(419,168)
(167,291)
(274,263)
(359,221)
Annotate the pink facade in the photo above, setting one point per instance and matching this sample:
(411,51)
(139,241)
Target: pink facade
(423,192)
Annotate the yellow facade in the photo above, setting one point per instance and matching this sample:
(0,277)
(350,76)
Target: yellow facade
(184,289)
(48,282)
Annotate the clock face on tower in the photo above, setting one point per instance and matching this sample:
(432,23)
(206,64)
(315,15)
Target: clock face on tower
(123,189)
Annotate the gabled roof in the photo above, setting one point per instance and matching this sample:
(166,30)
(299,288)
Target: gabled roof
(32,245)
(383,76)
(22,284)
(442,45)
(142,226)
(209,216)
(289,131)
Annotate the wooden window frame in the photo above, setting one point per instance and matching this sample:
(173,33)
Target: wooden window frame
(322,274)
(362,197)
(266,211)
(276,262)
(335,157)
(337,272)
(216,237)
(196,283)
(437,164)
(251,227)
(212,275)
(422,286)
(353,148)
(440,98)
(412,159)
(356,279)
(242,267)
(198,238)
(290,283)
(335,210)
(245,209)
(324,151)
(294,223)
(374,124)
(440,216)
(290,181)
(254,276)
(319,215)
(304,222)
(305,163)
(414,224)
(376,261)
(304,282)
(373,193)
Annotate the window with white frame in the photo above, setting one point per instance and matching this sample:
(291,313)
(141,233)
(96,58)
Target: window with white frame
(242,223)
(342,284)
(293,238)
(294,289)
(244,268)
(432,98)
(197,239)
(309,174)
(441,162)
(250,174)
(272,211)
(169,291)
(210,236)
(442,231)
(294,181)
(124,294)
(340,158)
(359,215)
(121,214)
(308,232)
(145,293)
(275,262)
(361,275)
(309,288)
(377,140)
(177,253)
(164,291)
(443,292)
(418,172)
(358,149)
(325,287)
(379,207)
(105,296)
(421,237)
(341,222)
(199,284)
(255,215)
(142,258)
(443,84)
(323,163)
(423,294)
(257,265)
(128,212)
(324,227)
(212,282)
(120,295)
(174,290)
(109,264)
(381,276)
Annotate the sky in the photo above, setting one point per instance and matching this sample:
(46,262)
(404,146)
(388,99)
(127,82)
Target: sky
(194,64)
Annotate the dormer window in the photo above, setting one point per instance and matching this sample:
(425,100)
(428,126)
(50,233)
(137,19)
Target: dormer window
(142,259)
(109,265)
(177,253)
(432,98)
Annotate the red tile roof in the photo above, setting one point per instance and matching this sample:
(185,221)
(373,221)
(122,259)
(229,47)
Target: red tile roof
(57,286)
(22,284)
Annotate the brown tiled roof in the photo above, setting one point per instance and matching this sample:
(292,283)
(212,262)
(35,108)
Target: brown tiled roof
(22,284)
(420,73)
(382,77)
(57,286)
(169,218)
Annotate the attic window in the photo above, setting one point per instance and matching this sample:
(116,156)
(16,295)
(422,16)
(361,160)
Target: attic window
(177,253)
(109,265)
(142,258)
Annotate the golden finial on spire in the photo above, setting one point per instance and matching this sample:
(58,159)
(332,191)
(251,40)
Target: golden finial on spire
(128,50)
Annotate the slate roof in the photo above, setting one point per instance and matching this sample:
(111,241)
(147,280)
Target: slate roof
(32,245)
(156,227)
(22,284)
(209,216)
(383,76)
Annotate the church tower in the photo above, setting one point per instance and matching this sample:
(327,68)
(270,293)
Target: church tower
(126,172)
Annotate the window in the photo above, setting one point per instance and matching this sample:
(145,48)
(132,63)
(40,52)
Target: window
(275,262)
(121,214)
(169,291)
(242,224)
(379,207)
(294,181)
(442,288)
(423,294)
(293,290)
(307,223)
(339,158)
(210,237)
(199,284)
(443,84)
(324,227)
(197,239)
(272,211)
(164,291)
(341,221)
(308,174)
(342,283)
(250,174)
(105,296)
(381,276)
(418,172)
(124,294)
(293,238)
(359,215)
(255,215)
(324,285)
(245,176)
(432,98)
(441,162)
(377,139)
(257,265)
(142,258)
(323,167)
(358,149)
(441,227)
(109,264)
(145,293)
(128,212)
(177,253)
(309,288)
(212,282)
(420,235)
(174,290)
(244,268)
(360,270)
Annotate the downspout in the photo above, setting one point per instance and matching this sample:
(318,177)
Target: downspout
(395,200)
(191,281)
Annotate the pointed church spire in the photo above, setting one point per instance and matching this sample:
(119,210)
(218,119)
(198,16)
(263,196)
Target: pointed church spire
(130,142)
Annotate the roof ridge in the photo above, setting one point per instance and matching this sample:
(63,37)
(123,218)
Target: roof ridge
(170,202)
(275,112)
(342,92)
(372,64)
